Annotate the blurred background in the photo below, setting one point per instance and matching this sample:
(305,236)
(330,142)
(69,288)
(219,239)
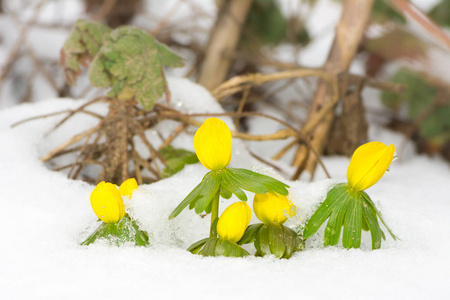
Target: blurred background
(400,69)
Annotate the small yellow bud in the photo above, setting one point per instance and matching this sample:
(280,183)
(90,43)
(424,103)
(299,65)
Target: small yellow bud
(212,143)
(368,164)
(273,208)
(107,203)
(128,186)
(234,221)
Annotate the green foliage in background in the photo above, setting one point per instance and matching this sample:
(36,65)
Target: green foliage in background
(81,46)
(176,159)
(422,100)
(127,59)
(131,62)
(441,13)
(383,12)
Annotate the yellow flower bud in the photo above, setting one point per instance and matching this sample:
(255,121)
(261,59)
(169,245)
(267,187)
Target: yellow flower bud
(234,221)
(128,186)
(368,164)
(107,203)
(212,143)
(273,208)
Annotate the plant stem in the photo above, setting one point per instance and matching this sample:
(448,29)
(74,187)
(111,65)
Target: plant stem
(214,212)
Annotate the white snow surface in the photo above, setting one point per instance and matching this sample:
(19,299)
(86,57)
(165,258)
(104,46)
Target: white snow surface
(46,216)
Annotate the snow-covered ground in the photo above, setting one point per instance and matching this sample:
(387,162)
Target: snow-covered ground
(45,216)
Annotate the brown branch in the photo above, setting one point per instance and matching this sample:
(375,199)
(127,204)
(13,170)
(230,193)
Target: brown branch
(349,32)
(412,11)
(224,38)
(15,50)
(232,85)
(71,141)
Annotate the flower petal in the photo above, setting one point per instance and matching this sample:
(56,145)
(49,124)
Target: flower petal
(234,221)
(107,203)
(212,143)
(128,186)
(273,208)
(368,164)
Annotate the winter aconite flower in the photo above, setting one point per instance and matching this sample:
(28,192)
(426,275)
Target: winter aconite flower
(234,221)
(127,187)
(212,143)
(273,208)
(107,203)
(368,164)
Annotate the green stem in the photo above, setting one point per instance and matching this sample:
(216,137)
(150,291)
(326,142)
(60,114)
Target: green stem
(214,212)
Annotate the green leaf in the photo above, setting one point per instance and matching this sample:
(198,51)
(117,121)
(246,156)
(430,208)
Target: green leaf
(81,46)
(441,13)
(371,205)
(250,233)
(190,198)
(334,225)
(124,231)
(323,212)
(254,182)
(213,230)
(266,22)
(383,12)
(278,240)
(131,62)
(228,183)
(209,190)
(270,183)
(176,159)
(352,224)
(370,218)
(225,193)
(195,247)
(209,249)
(245,183)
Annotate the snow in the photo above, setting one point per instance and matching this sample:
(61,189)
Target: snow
(46,216)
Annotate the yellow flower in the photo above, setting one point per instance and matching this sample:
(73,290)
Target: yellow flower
(272,208)
(212,143)
(107,203)
(234,221)
(368,164)
(128,186)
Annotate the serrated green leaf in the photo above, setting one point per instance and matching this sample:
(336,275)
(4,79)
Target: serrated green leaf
(81,46)
(208,192)
(324,210)
(250,233)
(335,222)
(130,59)
(370,218)
(352,224)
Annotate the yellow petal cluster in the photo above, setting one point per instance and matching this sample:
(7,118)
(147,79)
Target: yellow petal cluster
(368,164)
(234,221)
(212,143)
(107,203)
(273,208)
(128,186)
